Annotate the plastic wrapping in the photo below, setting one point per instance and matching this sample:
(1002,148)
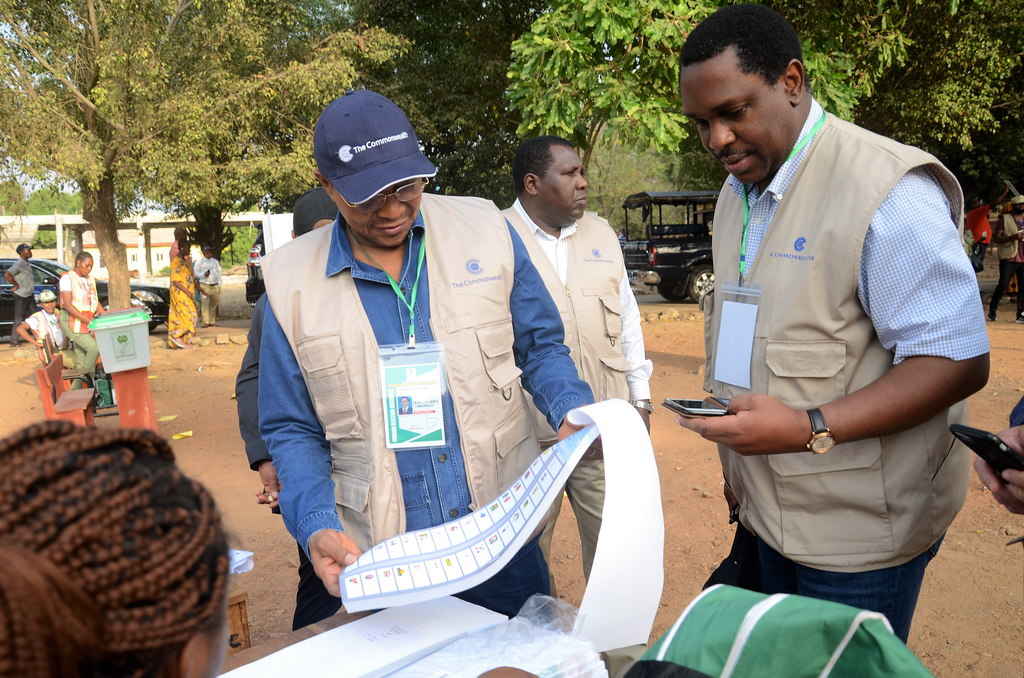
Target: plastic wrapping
(539,640)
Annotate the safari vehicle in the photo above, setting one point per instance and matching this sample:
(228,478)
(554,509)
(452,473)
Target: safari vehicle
(675,257)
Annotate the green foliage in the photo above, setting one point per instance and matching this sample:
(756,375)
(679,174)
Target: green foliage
(617,171)
(46,201)
(591,68)
(238,251)
(166,270)
(45,240)
(452,84)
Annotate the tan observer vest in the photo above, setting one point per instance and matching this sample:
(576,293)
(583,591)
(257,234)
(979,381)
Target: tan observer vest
(471,265)
(866,504)
(1008,250)
(590,305)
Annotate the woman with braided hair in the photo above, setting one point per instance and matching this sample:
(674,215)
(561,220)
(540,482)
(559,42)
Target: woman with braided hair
(112,562)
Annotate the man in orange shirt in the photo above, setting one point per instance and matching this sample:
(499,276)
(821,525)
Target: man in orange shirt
(976,221)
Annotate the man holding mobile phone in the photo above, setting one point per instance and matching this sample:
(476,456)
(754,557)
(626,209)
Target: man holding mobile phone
(846,314)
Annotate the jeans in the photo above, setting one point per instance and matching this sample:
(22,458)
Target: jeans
(893,591)
(1007,270)
(505,592)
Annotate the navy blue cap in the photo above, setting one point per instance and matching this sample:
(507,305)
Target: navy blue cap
(22,247)
(364,143)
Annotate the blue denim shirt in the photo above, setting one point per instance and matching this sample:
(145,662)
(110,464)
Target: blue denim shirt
(434,481)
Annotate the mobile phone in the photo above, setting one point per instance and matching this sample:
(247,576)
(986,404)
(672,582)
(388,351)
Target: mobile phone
(694,408)
(989,447)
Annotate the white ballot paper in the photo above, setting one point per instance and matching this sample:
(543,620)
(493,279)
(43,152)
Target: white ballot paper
(459,555)
(377,645)
(626,579)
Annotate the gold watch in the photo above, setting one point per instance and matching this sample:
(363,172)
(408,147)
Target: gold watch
(822,439)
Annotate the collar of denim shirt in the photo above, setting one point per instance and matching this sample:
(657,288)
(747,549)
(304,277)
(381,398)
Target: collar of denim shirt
(340,257)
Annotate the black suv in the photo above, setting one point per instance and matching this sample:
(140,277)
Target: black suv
(47,274)
(676,256)
(254,287)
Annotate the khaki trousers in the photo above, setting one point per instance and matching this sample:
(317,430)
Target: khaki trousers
(210,303)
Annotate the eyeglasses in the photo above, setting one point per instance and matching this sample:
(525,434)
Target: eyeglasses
(405,193)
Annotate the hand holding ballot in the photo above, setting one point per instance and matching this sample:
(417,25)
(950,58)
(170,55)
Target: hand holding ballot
(330,552)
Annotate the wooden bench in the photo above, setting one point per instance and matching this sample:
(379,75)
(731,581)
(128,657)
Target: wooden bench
(58,401)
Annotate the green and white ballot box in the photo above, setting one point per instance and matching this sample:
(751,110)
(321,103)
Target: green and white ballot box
(123,338)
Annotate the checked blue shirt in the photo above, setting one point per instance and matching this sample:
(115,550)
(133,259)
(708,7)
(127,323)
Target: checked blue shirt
(916,282)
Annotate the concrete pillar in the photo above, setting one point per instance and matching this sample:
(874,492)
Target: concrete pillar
(140,248)
(149,251)
(58,223)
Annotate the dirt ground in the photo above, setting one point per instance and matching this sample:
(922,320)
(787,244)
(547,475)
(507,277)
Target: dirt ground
(968,621)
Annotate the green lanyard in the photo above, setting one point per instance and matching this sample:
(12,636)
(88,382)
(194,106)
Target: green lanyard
(746,202)
(409,304)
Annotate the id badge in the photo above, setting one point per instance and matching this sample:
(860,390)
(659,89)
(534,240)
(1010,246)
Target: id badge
(412,385)
(735,341)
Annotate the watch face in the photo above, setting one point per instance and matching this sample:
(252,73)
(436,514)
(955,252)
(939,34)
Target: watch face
(822,444)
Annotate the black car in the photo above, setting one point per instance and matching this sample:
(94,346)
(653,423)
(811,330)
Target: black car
(675,257)
(254,287)
(47,275)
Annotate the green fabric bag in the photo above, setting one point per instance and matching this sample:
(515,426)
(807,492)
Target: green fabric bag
(736,633)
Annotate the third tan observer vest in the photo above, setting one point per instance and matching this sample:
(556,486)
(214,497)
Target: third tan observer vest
(866,504)
(471,266)
(589,303)
(1008,250)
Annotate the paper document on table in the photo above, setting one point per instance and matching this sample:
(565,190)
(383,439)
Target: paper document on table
(376,645)
(459,555)
(626,579)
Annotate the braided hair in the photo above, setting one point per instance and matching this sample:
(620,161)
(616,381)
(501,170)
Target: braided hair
(110,558)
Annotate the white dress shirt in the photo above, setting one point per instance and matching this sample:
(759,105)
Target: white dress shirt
(203,265)
(557,250)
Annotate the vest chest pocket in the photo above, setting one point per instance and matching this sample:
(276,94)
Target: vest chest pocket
(495,341)
(806,374)
(612,309)
(322,360)
(613,373)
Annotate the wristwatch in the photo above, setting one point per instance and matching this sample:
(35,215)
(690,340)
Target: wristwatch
(822,439)
(643,404)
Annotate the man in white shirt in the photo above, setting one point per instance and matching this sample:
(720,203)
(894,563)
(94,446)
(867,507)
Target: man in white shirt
(579,259)
(207,272)
(42,329)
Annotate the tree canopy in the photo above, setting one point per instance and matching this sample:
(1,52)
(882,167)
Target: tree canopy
(191,101)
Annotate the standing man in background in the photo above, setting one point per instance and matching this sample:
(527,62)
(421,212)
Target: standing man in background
(843,376)
(1009,236)
(208,275)
(20,276)
(579,260)
(976,221)
(313,210)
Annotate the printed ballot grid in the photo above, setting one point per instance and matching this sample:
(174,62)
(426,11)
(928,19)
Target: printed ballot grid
(455,550)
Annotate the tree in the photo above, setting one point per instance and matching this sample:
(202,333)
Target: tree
(81,84)
(452,84)
(46,201)
(284,65)
(118,94)
(591,68)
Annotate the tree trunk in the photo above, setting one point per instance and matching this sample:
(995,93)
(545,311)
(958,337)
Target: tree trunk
(99,210)
(209,229)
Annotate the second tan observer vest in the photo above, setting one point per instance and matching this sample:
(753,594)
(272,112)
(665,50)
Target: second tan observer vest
(589,303)
(865,504)
(471,267)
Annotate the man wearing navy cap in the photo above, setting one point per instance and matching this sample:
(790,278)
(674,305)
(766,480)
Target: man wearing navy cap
(24,287)
(442,282)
